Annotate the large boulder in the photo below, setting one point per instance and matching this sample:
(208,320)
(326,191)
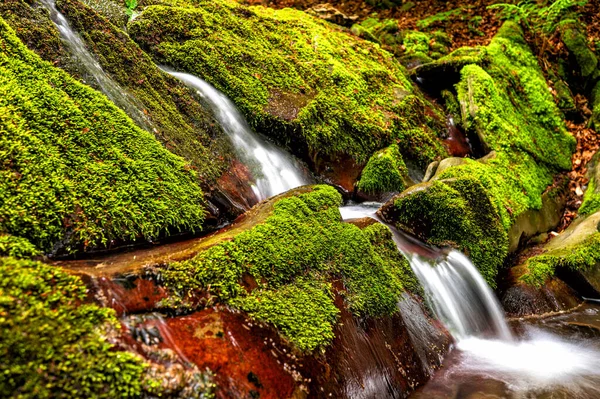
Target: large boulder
(307,84)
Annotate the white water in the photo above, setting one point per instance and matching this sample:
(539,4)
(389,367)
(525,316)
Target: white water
(538,364)
(530,366)
(92,71)
(274,170)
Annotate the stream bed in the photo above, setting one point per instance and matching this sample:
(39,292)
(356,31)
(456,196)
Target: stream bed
(553,357)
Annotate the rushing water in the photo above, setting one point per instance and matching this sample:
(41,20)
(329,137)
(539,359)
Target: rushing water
(489,360)
(274,170)
(92,71)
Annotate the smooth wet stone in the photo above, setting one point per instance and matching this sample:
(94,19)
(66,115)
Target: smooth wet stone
(520,299)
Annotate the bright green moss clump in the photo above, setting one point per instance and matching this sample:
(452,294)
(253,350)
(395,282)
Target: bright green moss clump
(74,170)
(384,172)
(52,347)
(181,123)
(456,212)
(17,247)
(289,255)
(304,82)
(582,257)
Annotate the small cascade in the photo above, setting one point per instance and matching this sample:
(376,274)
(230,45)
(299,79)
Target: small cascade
(93,72)
(274,170)
(460,297)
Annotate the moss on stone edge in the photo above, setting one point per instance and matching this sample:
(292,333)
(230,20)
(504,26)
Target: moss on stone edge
(181,123)
(291,255)
(75,170)
(50,347)
(296,78)
(456,212)
(581,257)
(385,172)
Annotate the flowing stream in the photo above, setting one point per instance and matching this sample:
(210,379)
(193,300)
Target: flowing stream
(489,359)
(274,170)
(91,70)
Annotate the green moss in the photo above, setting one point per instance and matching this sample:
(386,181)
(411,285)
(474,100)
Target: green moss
(440,18)
(581,257)
(384,172)
(504,100)
(74,170)
(302,243)
(576,42)
(52,348)
(591,197)
(179,121)
(33,26)
(456,212)
(305,83)
(113,10)
(17,247)
(303,311)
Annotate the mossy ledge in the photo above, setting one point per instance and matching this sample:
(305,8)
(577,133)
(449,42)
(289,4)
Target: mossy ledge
(504,101)
(299,80)
(76,172)
(281,270)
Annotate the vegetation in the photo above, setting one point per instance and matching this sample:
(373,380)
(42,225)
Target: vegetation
(385,172)
(51,345)
(505,102)
(181,123)
(299,80)
(76,172)
(584,256)
(299,246)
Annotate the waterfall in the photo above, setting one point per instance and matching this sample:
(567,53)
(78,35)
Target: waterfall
(536,364)
(274,170)
(93,72)
(460,297)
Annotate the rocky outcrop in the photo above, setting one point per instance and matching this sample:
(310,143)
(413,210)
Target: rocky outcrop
(328,99)
(518,120)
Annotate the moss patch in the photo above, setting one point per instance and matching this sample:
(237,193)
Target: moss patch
(582,257)
(75,171)
(384,172)
(456,212)
(179,120)
(50,347)
(290,255)
(355,97)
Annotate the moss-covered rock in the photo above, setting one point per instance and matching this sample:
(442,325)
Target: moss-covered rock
(453,212)
(179,120)
(299,80)
(577,249)
(50,347)
(385,172)
(292,256)
(75,170)
(504,101)
(576,42)
(32,24)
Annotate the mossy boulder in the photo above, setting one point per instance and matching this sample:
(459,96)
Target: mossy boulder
(575,252)
(385,172)
(76,172)
(303,82)
(453,212)
(505,101)
(292,257)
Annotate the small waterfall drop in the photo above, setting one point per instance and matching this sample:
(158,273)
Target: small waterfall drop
(92,71)
(274,170)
